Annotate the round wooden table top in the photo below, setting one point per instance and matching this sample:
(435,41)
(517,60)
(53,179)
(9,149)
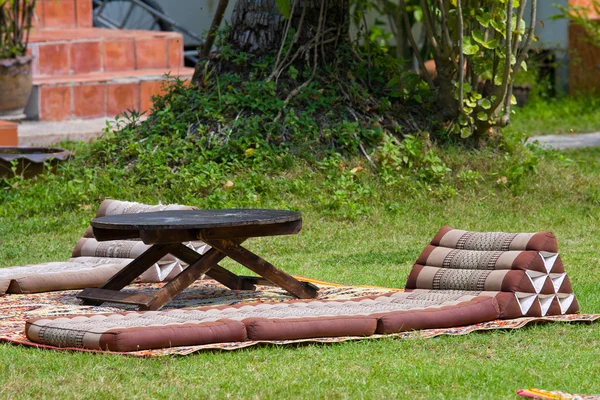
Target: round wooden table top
(195,219)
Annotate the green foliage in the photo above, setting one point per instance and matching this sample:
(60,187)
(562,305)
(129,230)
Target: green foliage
(15,22)
(486,50)
(410,161)
(162,159)
(478,47)
(233,143)
(284,7)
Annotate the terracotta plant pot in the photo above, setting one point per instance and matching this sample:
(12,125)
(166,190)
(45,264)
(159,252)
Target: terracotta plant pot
(30,160)
(15,86)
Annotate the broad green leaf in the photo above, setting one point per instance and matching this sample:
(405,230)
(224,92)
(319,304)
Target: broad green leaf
(490,44)
(513,99)
(482,116)
(465,133)
(499,27)
(469,48)
(484,19)
(523,65)
(418,14)
(485,104)
(284,7)
(478,36)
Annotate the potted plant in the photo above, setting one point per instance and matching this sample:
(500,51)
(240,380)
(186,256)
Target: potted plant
(15,64)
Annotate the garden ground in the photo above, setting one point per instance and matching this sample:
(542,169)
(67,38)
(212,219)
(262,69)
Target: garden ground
(376,247)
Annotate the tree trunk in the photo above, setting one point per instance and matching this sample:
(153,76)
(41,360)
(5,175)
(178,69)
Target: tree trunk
(403,50)
(258,27)
(446,98)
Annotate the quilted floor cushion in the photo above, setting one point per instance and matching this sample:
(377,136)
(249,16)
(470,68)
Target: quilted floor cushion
(158,272)
(114,207)
(77,273)
(395,312)
(50,276)
(93,262)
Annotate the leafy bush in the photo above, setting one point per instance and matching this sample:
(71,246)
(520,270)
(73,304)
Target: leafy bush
(221,147)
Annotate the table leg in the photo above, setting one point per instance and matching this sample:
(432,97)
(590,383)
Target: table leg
(130,272)
(218,273)
(184,279)
(233,250)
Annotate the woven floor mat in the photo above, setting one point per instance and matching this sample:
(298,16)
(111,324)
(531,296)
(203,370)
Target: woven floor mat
(555,394)
(15,309)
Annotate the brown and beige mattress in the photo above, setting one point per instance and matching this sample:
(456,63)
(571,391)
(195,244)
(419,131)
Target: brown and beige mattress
(92,263)
(395,312)
(461,278)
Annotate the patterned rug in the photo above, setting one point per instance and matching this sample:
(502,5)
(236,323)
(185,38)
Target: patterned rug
(555,394)
(15,309)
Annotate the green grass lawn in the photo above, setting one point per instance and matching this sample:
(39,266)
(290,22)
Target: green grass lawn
(377,249)
(549,116)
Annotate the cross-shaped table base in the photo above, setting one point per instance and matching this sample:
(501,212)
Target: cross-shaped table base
(166,230)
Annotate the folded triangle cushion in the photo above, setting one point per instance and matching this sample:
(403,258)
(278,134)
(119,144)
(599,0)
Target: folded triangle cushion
(524,266)
(116,207)
(88,246)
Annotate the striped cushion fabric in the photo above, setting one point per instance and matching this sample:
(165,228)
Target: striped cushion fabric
(525,264)
(394,312)
(494,241)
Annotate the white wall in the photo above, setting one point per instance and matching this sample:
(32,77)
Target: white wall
(554,34)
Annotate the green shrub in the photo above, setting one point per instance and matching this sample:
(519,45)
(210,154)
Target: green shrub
(225,148)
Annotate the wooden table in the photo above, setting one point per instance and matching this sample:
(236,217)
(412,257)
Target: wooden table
(223,230)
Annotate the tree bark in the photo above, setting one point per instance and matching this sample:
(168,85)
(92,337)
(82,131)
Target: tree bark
(257,26)
(446,73)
